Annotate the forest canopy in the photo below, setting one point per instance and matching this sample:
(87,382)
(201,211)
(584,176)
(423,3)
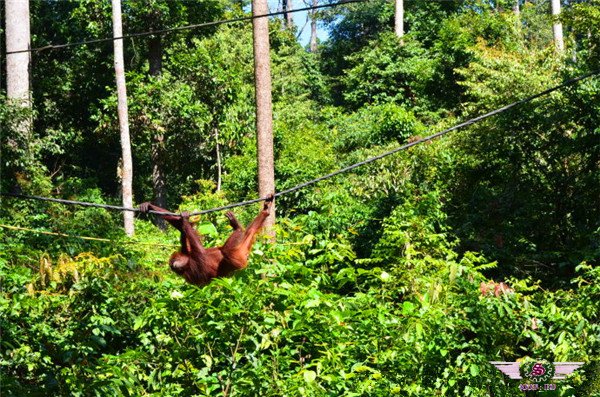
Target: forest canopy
(406,276)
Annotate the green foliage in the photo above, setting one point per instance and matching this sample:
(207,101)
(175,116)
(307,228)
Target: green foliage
(521,165)
(496,77)
(375,126)
(584,18)
(403,277)
(295,72)
(299,156)
(351,27)
(416,324)
(387,71)
(22,148)
(165,121)
(219,70)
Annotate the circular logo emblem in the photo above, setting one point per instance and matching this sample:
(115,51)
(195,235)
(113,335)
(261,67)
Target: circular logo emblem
(540,371)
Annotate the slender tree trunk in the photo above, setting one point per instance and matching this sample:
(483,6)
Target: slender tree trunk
(127,171)
(17,65)
(313,27)
(218,152)
(17,39)
(155,56)
(289,20)
(159,181)
(517,12)
(399,18)
(557,27)
(264,112)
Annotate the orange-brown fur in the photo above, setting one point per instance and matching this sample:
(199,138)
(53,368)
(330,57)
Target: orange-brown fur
(199,265)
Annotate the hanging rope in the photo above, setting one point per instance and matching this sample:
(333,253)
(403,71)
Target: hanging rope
(332,174)
(163,32)
(183,28)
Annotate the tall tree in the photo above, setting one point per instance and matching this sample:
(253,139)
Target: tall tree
(126,165)
(264,111)
(156,15)
(399,18)
(287,7)
(313,27)
(17,65)
(557,29)
(159,183)
(21,135)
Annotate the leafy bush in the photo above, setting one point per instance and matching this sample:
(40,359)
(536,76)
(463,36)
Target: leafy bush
(387,71)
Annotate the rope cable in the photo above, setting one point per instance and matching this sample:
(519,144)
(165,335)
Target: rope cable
(334,173)
(81,203)
(183,28)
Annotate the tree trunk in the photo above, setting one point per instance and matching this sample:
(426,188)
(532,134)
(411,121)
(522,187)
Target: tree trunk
(399,18)
(17,39)
(264,113)
(313,27)
(517,8)
(289,19)
(127,171)
(557,27)
(17,65)
(159,181)
(218,152)
(155,56)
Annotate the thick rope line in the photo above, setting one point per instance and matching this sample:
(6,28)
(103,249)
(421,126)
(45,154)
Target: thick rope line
(408,145)
(81,203)
(441,133)
(183,28)
(332,174)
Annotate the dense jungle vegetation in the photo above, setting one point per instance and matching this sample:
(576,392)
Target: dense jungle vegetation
(380,281)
